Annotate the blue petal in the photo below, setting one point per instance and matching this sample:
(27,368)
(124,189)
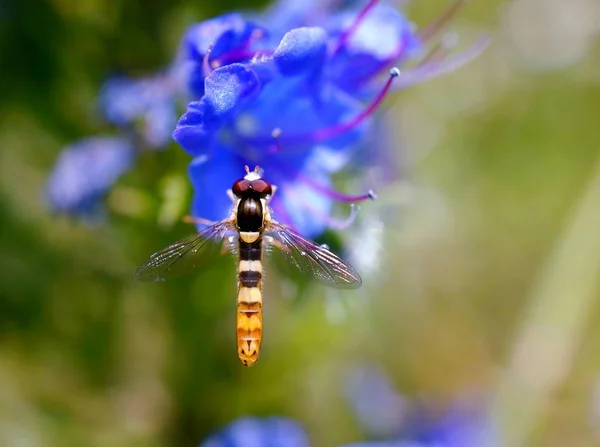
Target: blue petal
(225,34)
(236,37)
(389,444)
(383,37)
(229,87)
(197,128)
(195,79)
(198,38)
(124,101)
(211,177)
(160,119)
(299,111)
(85,171)
(465,424)
(306,209)
(255,432)
(302,50)
(381,32)
(284,15)
(376,404)
(265,70)
(121,100)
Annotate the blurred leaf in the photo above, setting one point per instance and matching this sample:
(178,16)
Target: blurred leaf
(175,195)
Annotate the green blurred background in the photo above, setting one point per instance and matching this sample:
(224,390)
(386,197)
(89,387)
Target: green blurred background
(487,281)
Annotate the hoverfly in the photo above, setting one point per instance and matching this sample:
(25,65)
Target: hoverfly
(248,231)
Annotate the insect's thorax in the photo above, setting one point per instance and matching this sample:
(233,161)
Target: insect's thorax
(250,215)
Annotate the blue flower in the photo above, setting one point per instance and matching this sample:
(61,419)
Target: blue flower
(222,39)
(293,90)
(396,421)
(146,104)
(84,172)
(384,444)
(259,432)
(144,111)
(293,101)
(463,424)
(375,402)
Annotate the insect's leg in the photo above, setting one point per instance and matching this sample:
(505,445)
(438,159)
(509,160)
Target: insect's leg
(198,220)
(276,243)
(231,196)
(229,245)
(273,191)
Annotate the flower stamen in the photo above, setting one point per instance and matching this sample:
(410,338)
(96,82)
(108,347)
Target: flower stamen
(328,132)
(206,65)
(276,134)
(198,221)
(434,67)
(424,35)
(345,35)
(239,54)
(333,131)
(440,21)
(440,50)
(336,195)
(332,222)
(242,51)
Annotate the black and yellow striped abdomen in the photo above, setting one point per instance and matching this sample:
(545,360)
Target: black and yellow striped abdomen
(249,302)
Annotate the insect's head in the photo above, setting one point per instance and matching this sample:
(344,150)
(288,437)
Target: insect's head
(252,185)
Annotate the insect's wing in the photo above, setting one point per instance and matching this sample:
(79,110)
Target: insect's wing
(181,257)
(313,259)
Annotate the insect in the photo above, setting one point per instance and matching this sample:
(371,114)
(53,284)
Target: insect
(248,232)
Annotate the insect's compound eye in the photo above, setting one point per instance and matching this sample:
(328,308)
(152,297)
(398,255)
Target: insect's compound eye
(261,187)
(240,187)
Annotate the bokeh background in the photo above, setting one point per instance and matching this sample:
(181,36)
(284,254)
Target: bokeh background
(481,264)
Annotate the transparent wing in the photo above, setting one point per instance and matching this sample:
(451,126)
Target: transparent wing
(185,255)
(313,259)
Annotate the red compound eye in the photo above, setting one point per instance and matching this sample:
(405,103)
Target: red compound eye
(240,187)
(261,187)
